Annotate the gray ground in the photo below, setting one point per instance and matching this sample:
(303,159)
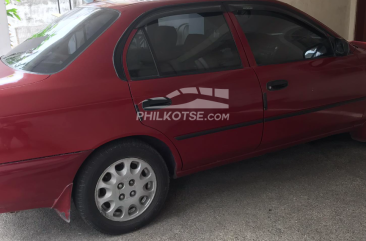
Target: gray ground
(315,191)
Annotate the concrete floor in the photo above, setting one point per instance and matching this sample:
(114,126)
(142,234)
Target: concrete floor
(315,191)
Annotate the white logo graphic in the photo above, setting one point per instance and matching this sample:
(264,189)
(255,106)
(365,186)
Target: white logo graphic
(198,103)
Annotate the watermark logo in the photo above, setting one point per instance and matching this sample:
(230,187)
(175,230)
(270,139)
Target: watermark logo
(200,103)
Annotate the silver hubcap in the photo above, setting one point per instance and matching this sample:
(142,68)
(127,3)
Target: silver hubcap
(125,189)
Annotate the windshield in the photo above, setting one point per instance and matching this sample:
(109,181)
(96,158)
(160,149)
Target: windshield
(52,49)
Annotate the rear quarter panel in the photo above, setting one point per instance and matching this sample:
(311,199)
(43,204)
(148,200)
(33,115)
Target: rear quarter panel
(48,128)
(80,108)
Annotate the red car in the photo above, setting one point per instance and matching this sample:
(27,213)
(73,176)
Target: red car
(113,99)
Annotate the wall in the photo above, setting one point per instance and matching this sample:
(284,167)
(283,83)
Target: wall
(339,15)
(4,37)
(352,22)
(36,15)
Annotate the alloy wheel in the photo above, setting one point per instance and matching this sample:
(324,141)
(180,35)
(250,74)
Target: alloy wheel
(125,189)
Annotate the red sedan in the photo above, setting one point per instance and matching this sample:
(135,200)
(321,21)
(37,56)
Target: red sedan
(113,99)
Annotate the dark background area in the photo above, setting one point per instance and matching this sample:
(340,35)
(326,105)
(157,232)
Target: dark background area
(360,32)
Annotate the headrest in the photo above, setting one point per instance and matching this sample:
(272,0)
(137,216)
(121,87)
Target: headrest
(193,40)
(165,36)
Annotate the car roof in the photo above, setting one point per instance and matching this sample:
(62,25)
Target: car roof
(117,4)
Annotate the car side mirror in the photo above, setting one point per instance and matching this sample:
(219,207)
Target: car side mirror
(342,47)
(316,51)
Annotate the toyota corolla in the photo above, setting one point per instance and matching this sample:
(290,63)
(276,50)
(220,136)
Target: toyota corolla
(115,98)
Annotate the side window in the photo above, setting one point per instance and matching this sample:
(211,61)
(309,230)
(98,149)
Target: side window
(192,43)
(140,61)
(275,38)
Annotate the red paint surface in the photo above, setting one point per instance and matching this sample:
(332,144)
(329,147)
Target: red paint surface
(86,105)
(63,205)
(37,183)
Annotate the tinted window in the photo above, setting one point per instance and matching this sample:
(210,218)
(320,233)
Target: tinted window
(275,38)
(192,43)
(139,58)
(52,49)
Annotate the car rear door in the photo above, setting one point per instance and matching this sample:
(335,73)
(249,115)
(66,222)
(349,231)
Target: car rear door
(190,81)
(307,94)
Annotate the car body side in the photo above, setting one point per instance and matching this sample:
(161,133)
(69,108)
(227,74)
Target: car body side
(64,117)
(49,125)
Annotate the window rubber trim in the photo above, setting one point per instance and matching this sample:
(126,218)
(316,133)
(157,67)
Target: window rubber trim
(187,73)
(186,10)
(232,6)
(152,51)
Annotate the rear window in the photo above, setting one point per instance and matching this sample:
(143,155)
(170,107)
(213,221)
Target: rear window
(52,49)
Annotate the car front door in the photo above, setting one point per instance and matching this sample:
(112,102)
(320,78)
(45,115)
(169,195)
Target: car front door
(309,91)
(189,80)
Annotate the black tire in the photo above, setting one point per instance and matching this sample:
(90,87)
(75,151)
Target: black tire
(89,174)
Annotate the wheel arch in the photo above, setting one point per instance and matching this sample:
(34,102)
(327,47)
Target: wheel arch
(172,160)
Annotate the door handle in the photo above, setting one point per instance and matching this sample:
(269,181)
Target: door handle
(156,103)
(277,85)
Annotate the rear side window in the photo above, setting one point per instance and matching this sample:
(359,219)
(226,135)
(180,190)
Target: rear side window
(140,61)
(275,38)
(188,44)
(52,49)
